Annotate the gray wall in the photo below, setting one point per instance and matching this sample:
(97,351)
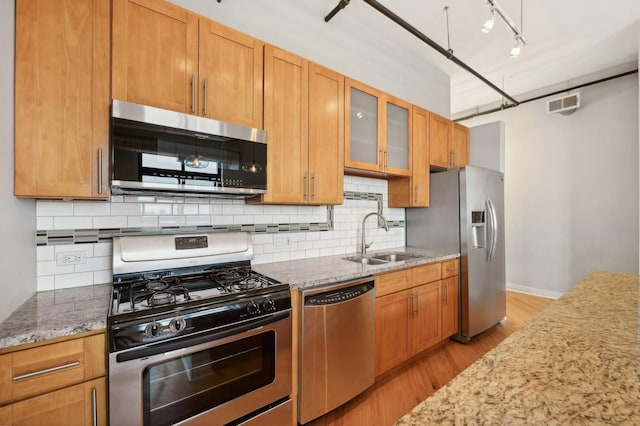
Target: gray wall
(571,188)
(17,217)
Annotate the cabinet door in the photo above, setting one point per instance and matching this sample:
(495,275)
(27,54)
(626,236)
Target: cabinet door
(230,70)
(439,141)
(75,405)
(449,306)
(425,324)
(460,145)
(62,99)
(286,93)
(155,54)
(414,191)
(363,127)
(420,159)
(393,346)
(396,150)
(326,136)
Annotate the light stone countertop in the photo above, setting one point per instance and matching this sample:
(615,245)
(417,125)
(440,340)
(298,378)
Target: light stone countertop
(57,313)
(60,313)
(575,363)
(325,270)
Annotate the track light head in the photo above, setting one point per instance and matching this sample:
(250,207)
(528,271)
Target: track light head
(515,51)
(488,24)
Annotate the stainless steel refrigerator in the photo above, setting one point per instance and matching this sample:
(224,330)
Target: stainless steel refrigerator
(466,214)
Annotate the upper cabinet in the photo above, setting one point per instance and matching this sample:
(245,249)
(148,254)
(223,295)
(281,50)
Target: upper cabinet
(62,99)
(413,191)
(167,57)
(449,143)
(378,128)
(304,120)
(460,145)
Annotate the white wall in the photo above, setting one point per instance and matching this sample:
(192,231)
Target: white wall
(17,217)
(571,188)
(344,44)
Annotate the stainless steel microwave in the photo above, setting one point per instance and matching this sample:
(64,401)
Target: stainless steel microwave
(165,152)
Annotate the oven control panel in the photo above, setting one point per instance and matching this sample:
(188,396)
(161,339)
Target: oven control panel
(199,317)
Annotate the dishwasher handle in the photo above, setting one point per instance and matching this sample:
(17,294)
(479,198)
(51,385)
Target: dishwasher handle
(342,294)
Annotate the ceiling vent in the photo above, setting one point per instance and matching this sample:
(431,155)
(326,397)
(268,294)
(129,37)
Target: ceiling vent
(565,105)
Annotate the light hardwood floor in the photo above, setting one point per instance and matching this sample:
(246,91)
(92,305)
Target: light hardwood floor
(398,391)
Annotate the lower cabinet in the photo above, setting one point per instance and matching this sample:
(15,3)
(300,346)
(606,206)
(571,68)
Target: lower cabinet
(61,383)
(407,314)
(416,308)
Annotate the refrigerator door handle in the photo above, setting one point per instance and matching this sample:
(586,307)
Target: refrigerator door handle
(494,227)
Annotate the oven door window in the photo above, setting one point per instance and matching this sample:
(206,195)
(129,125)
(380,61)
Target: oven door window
(185,386)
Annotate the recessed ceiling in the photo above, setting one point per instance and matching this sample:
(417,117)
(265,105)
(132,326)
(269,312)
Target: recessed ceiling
(566,40)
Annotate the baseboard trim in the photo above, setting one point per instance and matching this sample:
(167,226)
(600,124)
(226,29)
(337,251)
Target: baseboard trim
(534,291)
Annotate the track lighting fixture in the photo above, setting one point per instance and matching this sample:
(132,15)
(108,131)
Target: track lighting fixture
(515,51)
(488,25)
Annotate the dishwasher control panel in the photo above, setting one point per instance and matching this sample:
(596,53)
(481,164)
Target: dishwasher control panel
(337,296)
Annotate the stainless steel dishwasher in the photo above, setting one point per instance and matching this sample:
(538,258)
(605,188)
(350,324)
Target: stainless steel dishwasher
(337,346)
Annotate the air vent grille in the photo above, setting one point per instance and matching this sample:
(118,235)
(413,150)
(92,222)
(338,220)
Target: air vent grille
(565,105)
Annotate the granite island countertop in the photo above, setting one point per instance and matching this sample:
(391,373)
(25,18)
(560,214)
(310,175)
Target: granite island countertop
(57,313)
(577,362)
(319,271)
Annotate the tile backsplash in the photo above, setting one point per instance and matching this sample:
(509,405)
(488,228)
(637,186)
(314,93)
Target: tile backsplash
(74,247)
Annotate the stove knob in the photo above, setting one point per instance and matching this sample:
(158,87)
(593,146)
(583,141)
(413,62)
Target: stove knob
(253,308)
(268,305)
(152,330)
(177,324)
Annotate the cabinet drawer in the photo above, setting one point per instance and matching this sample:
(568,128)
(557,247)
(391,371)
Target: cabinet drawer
(450,268)
(426,273)
(45,368)
(392,282)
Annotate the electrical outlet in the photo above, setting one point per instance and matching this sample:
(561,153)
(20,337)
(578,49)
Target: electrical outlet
(281,241)
(70,258)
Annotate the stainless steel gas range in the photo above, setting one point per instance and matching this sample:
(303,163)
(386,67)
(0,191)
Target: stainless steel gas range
(196,337)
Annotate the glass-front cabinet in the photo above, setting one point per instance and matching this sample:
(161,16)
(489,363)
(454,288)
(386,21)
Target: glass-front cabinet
(378,131)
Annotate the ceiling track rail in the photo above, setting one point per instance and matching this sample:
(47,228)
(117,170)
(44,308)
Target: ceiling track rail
(546,95)
(411,29)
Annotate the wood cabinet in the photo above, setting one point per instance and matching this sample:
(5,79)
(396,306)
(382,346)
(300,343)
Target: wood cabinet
(449,143)
(407,314)
(378,129)
(168,57)
(62,99)
(61,383)
(413,191)
(460,145)
(304,120)
(450,284)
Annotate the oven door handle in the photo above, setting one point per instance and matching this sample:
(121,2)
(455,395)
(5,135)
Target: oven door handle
(202,338)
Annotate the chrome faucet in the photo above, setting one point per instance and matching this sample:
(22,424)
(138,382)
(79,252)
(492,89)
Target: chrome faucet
(365,246)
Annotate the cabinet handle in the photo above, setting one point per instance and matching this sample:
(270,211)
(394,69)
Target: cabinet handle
(455,158)
(417,194)
(380,160)
(446,293)
(68,364)
(100,171)
(204,100)
(410,301)
(386,160)
(415,304)
(304,186)
(313,186)
(193,93)
(94,406)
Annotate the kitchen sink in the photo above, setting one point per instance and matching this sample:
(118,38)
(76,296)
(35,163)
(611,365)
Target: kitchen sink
(395,257)
(366,260)
(380,259)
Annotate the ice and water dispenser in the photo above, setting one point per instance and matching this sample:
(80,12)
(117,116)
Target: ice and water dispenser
(478,233)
